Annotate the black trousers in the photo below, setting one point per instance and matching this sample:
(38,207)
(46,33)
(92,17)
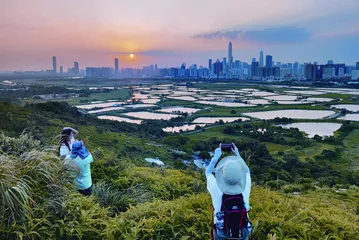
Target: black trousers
(86,192)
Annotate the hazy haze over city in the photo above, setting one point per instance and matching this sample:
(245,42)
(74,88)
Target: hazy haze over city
(169,32)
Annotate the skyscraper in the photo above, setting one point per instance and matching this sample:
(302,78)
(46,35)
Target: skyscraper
(269,61)
(230,56)
(116,65)
(261,63)
(54,69)
(76,68)
(357,66)
(61,70)
(210,64)
(254,68)
(253,60)
(296,68)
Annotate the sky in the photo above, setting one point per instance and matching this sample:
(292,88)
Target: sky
(170,32)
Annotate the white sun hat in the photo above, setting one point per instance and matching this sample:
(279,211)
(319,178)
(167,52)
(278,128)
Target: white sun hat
(231,175)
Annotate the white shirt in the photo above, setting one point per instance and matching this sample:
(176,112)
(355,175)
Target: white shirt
(216,193)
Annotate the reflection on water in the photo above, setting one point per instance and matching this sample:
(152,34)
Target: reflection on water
(312,129)
(120,119)
(216,119)
(150,115)
(297,114)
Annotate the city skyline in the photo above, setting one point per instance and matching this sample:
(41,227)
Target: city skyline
(94,33)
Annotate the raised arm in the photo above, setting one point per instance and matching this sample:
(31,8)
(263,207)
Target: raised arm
(75,132)
(214,160)
(247,190)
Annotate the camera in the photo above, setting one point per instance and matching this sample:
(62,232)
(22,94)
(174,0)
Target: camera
(226,146)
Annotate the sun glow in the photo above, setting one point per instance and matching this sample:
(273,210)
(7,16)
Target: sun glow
(132,56)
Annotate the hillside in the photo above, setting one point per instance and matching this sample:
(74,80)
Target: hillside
(134,200)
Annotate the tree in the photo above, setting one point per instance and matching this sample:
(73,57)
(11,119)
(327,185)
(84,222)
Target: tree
(204,155)
(233,111)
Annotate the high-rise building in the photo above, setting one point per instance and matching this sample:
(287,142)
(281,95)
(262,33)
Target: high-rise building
(328,72)
(210,64)
(98,71)
(296,68)
(54,69)
(218,68)
(61,70)
(230,56)
(330,62)
(76,69)
(357,66)
(341,72)
(269,61)
(253,60)
(261,63)
(254,68)
(116,65)
(310,71)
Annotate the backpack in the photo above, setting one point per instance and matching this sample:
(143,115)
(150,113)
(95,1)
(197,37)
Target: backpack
(236,224)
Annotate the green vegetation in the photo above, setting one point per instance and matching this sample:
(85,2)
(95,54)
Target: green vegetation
(133,199)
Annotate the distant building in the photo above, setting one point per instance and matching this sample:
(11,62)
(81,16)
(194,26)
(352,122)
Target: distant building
(218,68)
(355,75)
(76,68)
(254,60)
(98,72)
(261,63)
(269,61)
(210,64)
(54,68)
(328,72)
(341,72)
(357,66)
(61,70)
(310,71)
(173,72)
(116,65)
(254,69)
(330,62)
(276,72)
(230,55)
(296,69)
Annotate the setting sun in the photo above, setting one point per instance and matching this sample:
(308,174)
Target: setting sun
(132,56)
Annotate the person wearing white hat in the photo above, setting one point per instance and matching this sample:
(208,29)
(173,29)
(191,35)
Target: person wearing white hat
(229,179)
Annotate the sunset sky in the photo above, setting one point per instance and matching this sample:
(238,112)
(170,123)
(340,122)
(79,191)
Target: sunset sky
(170,32)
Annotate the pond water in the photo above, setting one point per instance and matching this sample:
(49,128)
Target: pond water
(350,107)
(185,98)
(262,94)
(155,160)
(312,129)
(120,119)
(296,114)
(150,115)
(225,104)
(305,92)
(350,117)
(319,99)
(282,98)
(106,110)
(291,102)
(181,93)
(139,106)
(184,128)
(151,100)
(212,120)
(257,101)
(98,105)
(179,109)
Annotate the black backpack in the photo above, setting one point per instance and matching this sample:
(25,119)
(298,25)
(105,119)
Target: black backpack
(236,222)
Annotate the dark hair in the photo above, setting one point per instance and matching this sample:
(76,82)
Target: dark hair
(65,134)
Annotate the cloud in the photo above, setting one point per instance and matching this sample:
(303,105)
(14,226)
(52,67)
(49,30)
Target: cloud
(266,36)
